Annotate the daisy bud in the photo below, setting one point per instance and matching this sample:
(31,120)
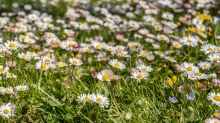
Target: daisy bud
(10,63)
(128,116)
(94,75)
(7,54)
(134,70)
(36,47)
(218,70)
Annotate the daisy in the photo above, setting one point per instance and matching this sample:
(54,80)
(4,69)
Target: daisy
(207,48)
(22,87)
(42,66)
(3,69)
(61,64)
(201,75)
(68,45)
(189,68)
(10,75)
(139,75)
(100,99)
(212,120)
(213,58)
(105,75)
(84,98)
(96,45)
(144,68)
(6,111)
(215,97)
(176,44)
(156,46)
(162,37)
(2,89)
(161,54)
(117,64)
(168,16)
(75,61)
(12,45)
(8,91)
(205,65)
(170,59)
(78,72)
(150,57)
(23,56)
(189,41)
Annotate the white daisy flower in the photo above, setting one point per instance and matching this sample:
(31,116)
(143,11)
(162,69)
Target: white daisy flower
(3,69)
(212,120)
(213,58)
(12,45)
(117,64)
(75,61)
(139,75)
(214,97)
(171,59)
(105,75)
(100,99)
(205,65)
(144,68)
(42,66)
(10,75)
(84,98)
(189,41)
(22,87)
(6,111)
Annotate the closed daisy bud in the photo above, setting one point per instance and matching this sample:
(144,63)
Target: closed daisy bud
(128,116)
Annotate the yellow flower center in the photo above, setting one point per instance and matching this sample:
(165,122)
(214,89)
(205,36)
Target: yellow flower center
(160,53)
(170,82)
(105,76)
(209,49)
(87,50)
(24,56)
(0,20)
(116,64)
(2,70)
(11,45)
(119,48)
(44,66)
(170,58)
(199,74)
(22,88)
(61,64)
(9,74)
(77,72)
(189,40)
(144,69)
(52,40)
(5,111)
(216,97)
(214,60)
(140,76)
(7,91)
(70,44)
(98,46)
(176,45)
(31,53)
(47,60)
(99,100)
(78,56)
(143,54)
(74,62)
(86,99)
(162,38)
(189,68)
(205,65)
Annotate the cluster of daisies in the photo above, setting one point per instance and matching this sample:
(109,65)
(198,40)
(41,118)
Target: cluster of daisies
(75,42)
(99,99)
